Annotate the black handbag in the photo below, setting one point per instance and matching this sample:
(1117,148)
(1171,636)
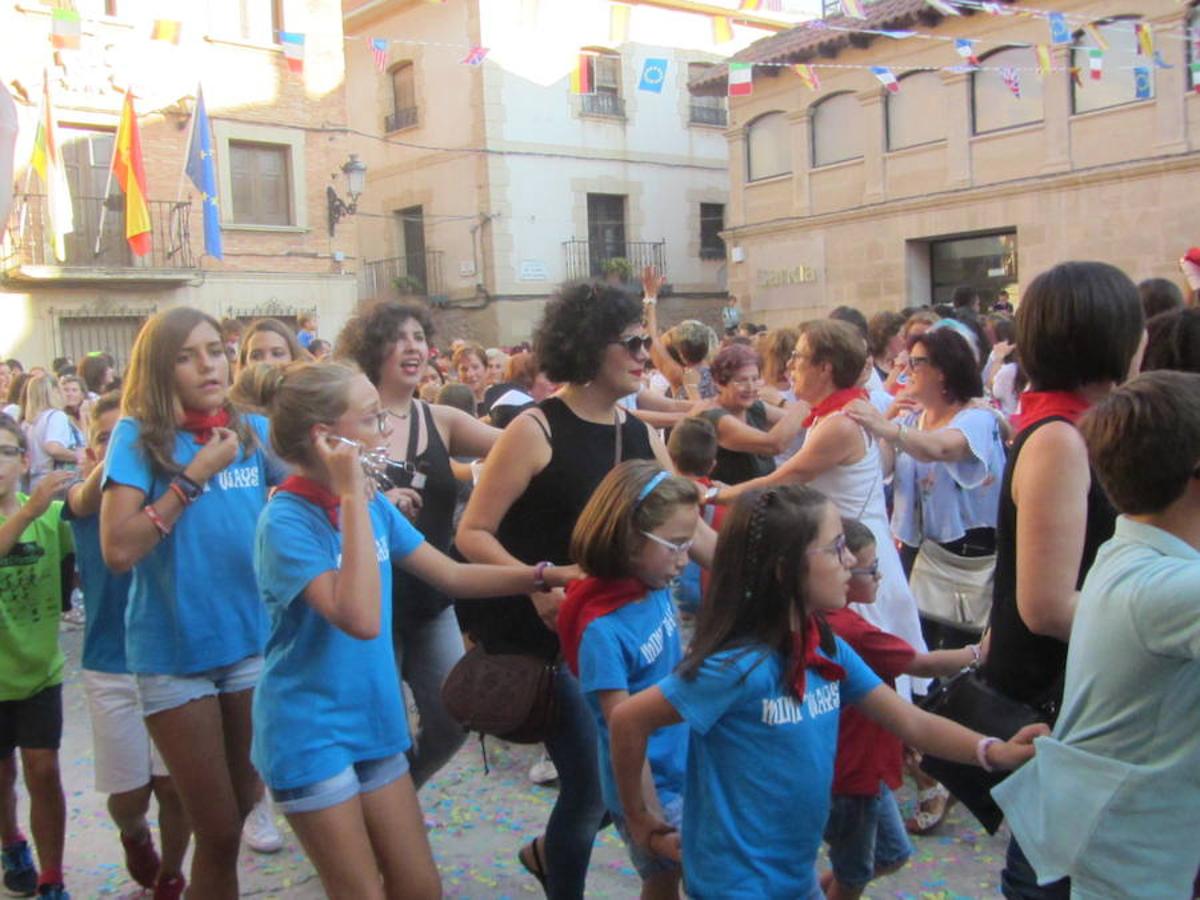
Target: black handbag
(970,701)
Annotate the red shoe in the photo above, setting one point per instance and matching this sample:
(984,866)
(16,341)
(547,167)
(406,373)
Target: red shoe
(170,888)
(141,859)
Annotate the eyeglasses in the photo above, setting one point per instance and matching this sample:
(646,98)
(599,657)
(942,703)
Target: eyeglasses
(871,571)
(8,451)
(746,382)
(670,545)
(915,362)
(837,549)
(636,344)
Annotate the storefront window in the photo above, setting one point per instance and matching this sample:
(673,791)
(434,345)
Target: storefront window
(837,132)
(1117,84)
(994,102)
(768,147)
(987,263)
(916,114)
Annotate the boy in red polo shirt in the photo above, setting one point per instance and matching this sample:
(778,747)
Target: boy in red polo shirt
(865,831)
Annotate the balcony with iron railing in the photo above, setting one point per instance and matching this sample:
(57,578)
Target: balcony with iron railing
(583,260)
(400,119)
(417,274)
(708,115)
(603,104)
(95,251)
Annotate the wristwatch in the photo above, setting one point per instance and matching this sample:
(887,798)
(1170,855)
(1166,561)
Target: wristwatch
(710,494)
(189,491)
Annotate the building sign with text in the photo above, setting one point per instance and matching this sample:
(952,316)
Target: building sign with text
(787,275)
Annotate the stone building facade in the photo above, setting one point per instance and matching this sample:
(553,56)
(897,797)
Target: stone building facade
(850,194)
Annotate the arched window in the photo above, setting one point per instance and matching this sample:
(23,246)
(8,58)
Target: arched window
(916,114)
(1118,80)
(1005,94)
(768,147)
(837,130)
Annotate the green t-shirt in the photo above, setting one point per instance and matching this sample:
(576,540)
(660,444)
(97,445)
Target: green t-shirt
(31,606)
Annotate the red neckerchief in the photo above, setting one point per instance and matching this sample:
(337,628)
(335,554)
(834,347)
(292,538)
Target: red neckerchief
(315,493)
(201,425)
(804,647)
(834,402)
(1034,406)
(587,600)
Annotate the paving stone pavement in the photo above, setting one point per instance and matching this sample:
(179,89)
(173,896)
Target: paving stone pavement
(476,823)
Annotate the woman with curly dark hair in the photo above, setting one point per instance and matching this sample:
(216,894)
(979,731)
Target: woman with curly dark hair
(390,343)
(536,482)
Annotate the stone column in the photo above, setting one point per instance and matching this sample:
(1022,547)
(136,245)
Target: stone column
(874,141)
(958,129)
(801,122)
(1056,102)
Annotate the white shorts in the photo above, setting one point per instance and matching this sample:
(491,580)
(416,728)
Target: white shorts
(126,758)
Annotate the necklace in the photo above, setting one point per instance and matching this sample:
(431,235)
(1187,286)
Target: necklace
(401,416)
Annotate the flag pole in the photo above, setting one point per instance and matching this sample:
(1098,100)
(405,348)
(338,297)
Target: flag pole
(187,146)
(112,164)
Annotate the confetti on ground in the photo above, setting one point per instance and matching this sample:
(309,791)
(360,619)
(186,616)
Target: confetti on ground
(476,824)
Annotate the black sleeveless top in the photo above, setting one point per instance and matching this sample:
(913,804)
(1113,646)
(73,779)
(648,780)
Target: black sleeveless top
(539,523)
(412,599)
(736,466)
(1021,664)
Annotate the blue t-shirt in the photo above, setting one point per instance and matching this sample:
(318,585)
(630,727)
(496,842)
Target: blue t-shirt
(759,770)
(630,649)
(193,605)
(105,596)
(326,700)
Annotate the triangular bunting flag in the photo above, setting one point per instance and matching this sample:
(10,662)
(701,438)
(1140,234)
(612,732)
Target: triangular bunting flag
(808,77)
(1043,60)
(65,29)
(966,49)
(1096,63)
(1159,62)
(379,53)
(741,79)
(1145,39)
(1142,85)
(293,50)
(475,56)
(1060,32)
(722,30)
(1012,80)
(1097,38)
(166,30)
(887,78)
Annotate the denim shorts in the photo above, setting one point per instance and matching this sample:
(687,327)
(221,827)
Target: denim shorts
(865,834)
(357,778)
(162,692)
(643,861)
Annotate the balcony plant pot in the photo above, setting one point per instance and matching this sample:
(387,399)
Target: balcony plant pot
(407,286)
(617,270)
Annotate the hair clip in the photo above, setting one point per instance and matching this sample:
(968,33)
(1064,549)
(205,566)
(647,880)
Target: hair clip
(649,486)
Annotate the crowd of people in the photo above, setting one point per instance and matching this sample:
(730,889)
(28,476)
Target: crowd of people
(741,566)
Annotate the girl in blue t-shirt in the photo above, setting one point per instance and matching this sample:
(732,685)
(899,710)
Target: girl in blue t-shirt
(330,732)
(185,478)
(619,632)
(760,691)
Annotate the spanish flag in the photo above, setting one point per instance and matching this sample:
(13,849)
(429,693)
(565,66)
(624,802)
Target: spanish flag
(130,173)
(47,162)
(581,75)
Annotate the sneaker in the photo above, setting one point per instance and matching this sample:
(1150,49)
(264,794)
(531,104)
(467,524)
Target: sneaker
(543,771)
(170,888)
(20,874)
(259,832)
(75,617)
(141,859)
(54,892)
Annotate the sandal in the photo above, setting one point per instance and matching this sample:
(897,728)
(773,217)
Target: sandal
(932,805)
(533,863)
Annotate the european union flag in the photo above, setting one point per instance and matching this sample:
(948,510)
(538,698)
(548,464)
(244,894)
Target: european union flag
(1142,86)
(654,73)
(202,171)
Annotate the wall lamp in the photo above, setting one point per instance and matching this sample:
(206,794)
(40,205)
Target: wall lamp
(355,171)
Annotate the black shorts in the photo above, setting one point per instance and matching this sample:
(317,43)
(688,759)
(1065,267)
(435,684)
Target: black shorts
(35,723)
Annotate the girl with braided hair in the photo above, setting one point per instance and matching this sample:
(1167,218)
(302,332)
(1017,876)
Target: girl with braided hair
(760,691)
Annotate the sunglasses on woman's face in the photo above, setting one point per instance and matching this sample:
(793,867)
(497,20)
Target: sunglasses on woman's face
(636,344)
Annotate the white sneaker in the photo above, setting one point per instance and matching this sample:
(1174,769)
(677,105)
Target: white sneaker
(259,831)
(543,771)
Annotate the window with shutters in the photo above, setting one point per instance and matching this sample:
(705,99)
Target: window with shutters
(404,99)
(262,183)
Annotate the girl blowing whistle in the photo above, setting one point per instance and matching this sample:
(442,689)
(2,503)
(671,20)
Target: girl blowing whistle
(619,632)
(330,731)
(760,691)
